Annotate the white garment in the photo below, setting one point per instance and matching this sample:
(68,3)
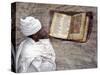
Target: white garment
(30,25)
(35,56)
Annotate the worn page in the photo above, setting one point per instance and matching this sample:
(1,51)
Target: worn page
(86,29)
(60,25)
(76,23)
(77,27)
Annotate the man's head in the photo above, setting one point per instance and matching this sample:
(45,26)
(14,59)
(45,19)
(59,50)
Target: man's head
(32,27)
(42,34)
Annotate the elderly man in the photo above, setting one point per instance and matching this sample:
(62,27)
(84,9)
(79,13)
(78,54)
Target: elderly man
(35,53)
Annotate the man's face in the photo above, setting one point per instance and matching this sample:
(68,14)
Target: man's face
(42,34)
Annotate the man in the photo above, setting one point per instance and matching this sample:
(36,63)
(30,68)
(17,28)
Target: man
(35,53)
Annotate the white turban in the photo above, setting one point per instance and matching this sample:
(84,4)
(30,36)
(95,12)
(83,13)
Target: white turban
(30,25)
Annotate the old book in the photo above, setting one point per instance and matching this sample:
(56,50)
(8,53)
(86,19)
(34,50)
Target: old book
(71,27)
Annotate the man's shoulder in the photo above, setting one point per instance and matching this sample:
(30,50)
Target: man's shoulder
(44,40)
(27,41)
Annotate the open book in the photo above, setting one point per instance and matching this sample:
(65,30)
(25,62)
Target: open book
(71,27)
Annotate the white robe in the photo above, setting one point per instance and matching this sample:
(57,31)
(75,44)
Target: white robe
(35,56)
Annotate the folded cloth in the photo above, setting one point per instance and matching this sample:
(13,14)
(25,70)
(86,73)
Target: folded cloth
(35,56)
